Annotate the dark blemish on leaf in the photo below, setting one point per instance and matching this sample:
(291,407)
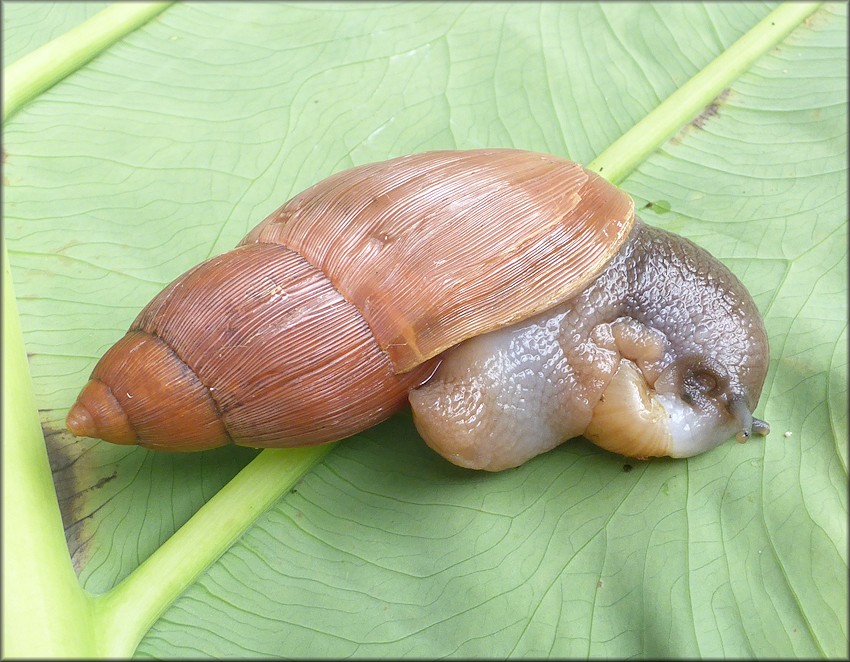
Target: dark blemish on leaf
(815,19)
(599,584)
(56,440)
(659,206)
(700,120)
(72,483)
(712,110)
(627,468)
(103,481)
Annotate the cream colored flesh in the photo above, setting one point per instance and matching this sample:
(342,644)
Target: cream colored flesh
(506,396)
(664,353)
(633,419)
(628,418)
(502,398)
(693,432)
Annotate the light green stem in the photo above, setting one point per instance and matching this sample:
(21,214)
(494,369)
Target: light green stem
(634,146)
(45,612)
(44,67)
(125,613)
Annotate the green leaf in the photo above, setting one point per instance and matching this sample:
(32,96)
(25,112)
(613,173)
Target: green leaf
(170,144)
(34,24)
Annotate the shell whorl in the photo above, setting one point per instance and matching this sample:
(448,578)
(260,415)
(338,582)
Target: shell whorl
(318,324)
(439,247)
(280,358)
(116,404)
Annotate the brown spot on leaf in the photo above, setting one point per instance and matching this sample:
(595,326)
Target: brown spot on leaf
(658,206)
(816,19)
(700,120)
(712,109)
(73,484)
(103,481)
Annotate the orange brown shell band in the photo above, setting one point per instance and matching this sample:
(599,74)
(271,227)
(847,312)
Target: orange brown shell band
(287,359)
(439,247)
(141,369)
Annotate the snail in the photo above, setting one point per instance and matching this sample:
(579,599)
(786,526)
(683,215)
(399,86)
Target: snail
(513,298)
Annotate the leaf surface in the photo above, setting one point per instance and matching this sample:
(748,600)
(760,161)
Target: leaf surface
(29,25)
(170,145)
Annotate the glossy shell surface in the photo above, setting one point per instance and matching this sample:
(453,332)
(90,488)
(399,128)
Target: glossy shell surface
(439,247)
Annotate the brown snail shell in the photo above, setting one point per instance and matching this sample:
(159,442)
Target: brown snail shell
(350,296)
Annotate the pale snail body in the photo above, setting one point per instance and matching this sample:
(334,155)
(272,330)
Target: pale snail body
(605,364)
(512,295)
